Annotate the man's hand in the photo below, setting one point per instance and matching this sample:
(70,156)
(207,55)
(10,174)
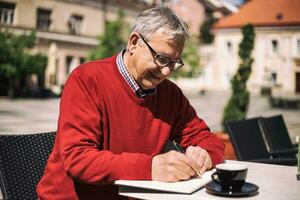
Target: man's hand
(173,166)
(200,156)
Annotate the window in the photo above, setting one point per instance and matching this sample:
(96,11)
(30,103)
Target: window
(7,13)
(273,77)
(82,60)
(229,46)
(75,24)
(69,60)
(43,20)
(274,46)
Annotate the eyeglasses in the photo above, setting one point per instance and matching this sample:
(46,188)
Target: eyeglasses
(163,61)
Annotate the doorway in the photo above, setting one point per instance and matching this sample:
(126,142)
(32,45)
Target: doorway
(298,82)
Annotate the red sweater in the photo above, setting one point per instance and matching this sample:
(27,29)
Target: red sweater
(106,133)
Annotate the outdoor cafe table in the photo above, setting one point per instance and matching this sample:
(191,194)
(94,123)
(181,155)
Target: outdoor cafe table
(275,182)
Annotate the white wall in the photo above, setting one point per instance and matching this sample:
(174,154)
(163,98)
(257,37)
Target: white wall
(225,60)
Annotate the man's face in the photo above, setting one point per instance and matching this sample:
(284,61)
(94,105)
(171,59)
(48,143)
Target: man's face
(141,66)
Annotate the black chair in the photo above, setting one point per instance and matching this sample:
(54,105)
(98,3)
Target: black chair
(249,144)
(22,161)
(277,135)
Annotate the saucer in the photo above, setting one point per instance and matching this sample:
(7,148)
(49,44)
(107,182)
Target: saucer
(248,189)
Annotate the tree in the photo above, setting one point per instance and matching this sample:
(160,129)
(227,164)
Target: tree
(205,30)
(111,41)
(237,106)
(17,64)
(191,59)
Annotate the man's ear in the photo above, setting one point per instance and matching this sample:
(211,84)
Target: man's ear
(133,42)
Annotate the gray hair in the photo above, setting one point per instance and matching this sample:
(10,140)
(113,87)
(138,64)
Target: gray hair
(161,17)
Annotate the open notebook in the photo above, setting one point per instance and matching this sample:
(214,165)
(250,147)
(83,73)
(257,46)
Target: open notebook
(187,187)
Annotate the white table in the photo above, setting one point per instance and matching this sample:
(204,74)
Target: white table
(274,181)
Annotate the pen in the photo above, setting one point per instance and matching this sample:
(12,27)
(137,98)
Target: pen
(181,150)
(178,147)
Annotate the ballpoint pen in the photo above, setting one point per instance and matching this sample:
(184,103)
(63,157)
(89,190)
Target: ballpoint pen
(181,150)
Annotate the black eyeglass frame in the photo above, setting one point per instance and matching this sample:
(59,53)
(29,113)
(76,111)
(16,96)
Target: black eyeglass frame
(177,64)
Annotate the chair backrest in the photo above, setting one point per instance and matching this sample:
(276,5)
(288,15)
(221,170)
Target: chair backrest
(276,133)
(247,139)
(22,161)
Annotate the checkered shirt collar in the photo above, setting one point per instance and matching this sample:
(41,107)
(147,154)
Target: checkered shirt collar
(129,79)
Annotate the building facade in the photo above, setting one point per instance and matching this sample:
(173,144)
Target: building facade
(194,12)
(67,30)
(277,46)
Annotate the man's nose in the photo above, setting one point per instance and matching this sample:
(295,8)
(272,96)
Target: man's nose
(166,71)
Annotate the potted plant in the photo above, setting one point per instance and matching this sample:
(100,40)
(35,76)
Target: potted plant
(229,153)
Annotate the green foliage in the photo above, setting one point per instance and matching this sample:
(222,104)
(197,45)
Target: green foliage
(205,30)
(237,106)
(16,64)
(191,59)
(111,41)
(37,64)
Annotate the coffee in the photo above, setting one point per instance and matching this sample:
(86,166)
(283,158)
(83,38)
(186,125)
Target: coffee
(230,176)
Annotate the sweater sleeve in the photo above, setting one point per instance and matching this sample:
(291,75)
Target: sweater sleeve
(80,136)
(193,131)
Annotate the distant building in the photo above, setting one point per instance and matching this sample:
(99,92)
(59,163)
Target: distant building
(66,29)
(276,52)
(194,12)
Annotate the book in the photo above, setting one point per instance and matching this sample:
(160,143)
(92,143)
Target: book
(186,187)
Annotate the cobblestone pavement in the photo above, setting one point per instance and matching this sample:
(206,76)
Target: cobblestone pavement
(40,115)
(28,115)
(210,108)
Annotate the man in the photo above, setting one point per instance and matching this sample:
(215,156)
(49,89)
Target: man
(117,114)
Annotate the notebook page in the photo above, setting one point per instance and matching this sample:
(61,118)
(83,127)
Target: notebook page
(187,187)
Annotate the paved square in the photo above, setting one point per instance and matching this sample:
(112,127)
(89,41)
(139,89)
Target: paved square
(41,115)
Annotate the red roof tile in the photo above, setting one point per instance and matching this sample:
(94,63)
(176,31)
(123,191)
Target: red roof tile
(264,13)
